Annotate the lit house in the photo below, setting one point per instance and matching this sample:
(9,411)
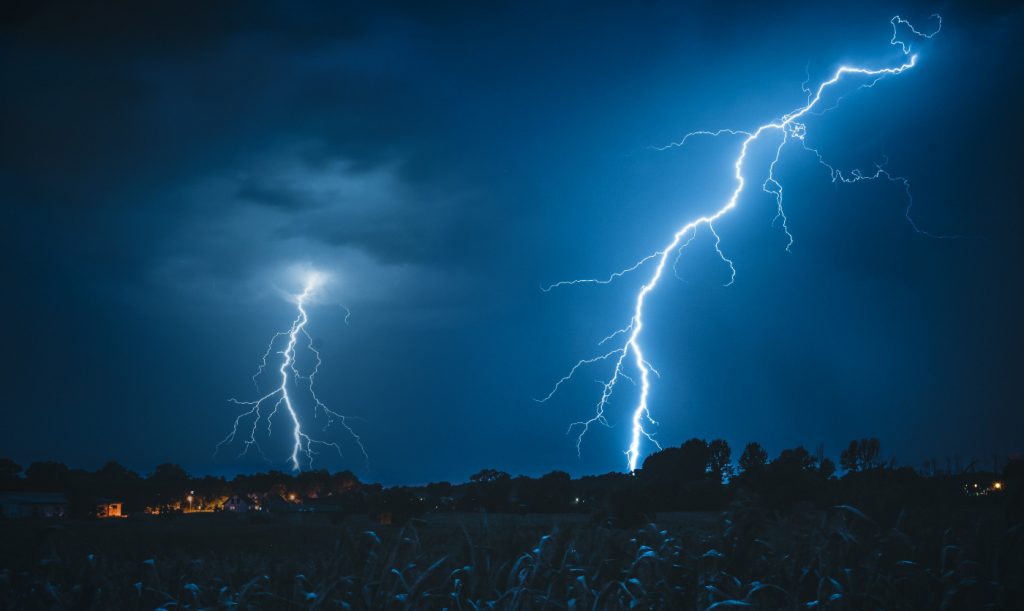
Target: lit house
(33,505)
(236,504)
(109,509)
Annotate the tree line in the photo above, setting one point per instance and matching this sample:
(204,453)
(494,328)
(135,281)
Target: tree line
(696,475)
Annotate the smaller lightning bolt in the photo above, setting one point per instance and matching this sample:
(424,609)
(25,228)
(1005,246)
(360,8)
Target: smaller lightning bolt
(786,128)
(303,445)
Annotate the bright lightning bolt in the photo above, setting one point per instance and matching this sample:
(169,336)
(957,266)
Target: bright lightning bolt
(788,127)
(289,376)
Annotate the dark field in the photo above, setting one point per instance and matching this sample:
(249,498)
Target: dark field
(744,558)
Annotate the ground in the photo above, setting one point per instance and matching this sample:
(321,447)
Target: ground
(837,558)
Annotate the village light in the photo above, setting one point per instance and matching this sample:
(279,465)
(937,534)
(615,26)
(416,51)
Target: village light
(998,485)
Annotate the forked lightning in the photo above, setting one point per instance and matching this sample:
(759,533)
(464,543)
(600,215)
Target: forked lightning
(787,128)
(289,378)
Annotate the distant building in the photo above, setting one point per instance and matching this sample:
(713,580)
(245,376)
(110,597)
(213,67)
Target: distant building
(33,505)
(109,509)
(237,504)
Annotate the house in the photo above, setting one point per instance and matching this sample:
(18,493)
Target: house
(33,505)
(106,508)
(236,504)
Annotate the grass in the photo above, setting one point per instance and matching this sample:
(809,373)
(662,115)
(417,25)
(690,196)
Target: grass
(744,558)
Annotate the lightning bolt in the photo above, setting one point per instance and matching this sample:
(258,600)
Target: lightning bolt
(289,375)
(788,127)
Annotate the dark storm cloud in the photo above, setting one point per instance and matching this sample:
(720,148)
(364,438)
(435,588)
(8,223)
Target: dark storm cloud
(168,96)
(377,209)
(100,56)
(147,80)
(256,190)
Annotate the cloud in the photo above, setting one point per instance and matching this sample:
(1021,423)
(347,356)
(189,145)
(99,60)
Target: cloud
(243,229)
(191,149)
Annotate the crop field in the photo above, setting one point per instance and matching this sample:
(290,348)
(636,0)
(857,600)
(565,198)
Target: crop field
(745,558)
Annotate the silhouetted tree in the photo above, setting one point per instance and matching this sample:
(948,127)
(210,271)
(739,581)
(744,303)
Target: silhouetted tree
(870,453)
(9,474)
(168,483)
(440,488)
(112,478)
(720,459)
(549,494)
(683,477)
(689,462)
(849,458)
(275,483)
(313,484)
(794,459)
(47,476)
(489,489)
(827,468)
(754,457)
(115,482)
(210,490)
(861,455)
(695,459)
(485,476)
(793,478)
(344,481)
(662,477)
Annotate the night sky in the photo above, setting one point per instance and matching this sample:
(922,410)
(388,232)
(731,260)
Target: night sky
(166,169)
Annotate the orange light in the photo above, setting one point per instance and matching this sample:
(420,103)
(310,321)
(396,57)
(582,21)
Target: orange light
(998,485)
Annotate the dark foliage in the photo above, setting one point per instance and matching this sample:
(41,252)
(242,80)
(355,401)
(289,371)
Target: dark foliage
(754,457)
(861,455)
(780,534)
